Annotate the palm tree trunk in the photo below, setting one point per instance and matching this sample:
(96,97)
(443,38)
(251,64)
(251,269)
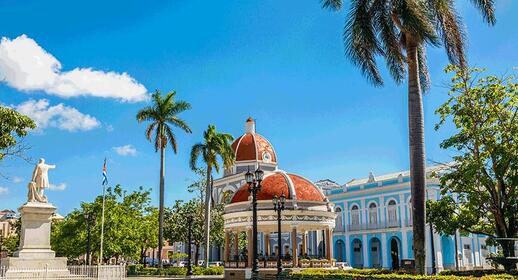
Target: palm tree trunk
(208,193)
(417,154)
(161,207)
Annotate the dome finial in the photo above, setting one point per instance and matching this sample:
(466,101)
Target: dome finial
(250,125)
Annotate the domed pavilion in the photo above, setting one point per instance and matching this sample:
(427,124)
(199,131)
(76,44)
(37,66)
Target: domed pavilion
(307,221)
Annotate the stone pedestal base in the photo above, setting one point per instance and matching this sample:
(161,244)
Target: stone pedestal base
(34,257)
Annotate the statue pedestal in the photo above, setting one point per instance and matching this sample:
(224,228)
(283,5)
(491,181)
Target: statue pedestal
(34,252)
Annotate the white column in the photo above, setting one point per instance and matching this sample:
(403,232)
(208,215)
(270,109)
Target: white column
(438,251)
(428,249)
(365,246)
(382,209)
(478,254)
(402,209)
(384,254)
(347,249)
(363,212)
(346,216)
(404,243)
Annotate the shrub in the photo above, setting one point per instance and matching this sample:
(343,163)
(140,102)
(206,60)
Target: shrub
(477,273)
(375,274)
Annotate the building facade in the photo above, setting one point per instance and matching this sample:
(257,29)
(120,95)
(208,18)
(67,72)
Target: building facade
(374,226)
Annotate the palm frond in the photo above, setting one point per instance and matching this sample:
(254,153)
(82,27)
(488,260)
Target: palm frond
(159,138)
(450,29)
(149,130)
(177,122)
(332,4)
(487,8)
(170,137)
(361,45)
(180,106)
(417,21)
(196,151)
(146,114)
(389,36)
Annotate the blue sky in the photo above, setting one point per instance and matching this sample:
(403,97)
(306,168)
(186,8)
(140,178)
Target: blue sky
(280,62)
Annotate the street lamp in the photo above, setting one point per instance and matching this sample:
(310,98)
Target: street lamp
(278,206)
(88,218)
(189,242)
(254,186)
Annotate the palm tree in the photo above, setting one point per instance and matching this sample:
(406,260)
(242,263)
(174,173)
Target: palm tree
(215,145)
(398,31)
(163,115)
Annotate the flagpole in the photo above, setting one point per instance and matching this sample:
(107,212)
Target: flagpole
(104,183)
(102,227)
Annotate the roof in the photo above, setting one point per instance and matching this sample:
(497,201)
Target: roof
(293,186)
(372,178)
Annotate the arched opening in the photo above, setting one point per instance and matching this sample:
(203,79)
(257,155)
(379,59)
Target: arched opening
(338,221)
(357,259)
(355,216)
(375,252)
(373,214)
(394,253)
(392,213)
(340,251)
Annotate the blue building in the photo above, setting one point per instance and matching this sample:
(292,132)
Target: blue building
(374,226)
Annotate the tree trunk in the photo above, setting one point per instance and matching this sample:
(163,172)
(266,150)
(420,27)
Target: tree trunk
(417,154)
(196,254)
(208,194)
(161,207)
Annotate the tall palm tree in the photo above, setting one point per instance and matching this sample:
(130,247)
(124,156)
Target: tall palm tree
(398,31)
(163,115)
(214,145)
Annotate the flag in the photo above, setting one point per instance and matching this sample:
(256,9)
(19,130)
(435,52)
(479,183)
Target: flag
(105,178)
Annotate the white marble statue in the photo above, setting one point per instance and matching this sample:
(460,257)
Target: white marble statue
(39,182)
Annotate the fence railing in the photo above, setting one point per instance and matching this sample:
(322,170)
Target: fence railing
(93,272)
(378,225)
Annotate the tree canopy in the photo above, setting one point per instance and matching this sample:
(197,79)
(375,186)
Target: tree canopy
(13,126)
(131,226)
(480,186)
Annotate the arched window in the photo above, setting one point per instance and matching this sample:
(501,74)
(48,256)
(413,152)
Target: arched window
(338,221)
(373,213)
(392,212)
(355,215)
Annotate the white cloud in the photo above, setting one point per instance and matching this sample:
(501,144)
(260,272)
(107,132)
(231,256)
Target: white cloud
(58,116)
(109,127)
(126,150)
(26,66)
(59,187)
(17,179)
(3,190)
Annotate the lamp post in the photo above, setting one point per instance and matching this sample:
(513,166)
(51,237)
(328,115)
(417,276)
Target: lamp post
(278,206)
(189,242)
(88,219)
(254,186)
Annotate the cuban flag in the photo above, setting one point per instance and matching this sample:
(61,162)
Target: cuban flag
(105,178)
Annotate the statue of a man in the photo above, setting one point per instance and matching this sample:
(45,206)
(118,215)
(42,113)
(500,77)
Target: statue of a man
(40,181)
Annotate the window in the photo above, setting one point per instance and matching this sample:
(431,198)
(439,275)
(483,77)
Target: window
(392,212)
(410,212)
(467,247)
(373,213)
(355,215)
(338,220)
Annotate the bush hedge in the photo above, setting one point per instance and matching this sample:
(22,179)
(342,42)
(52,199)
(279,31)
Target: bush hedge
(138,269)
(375,274)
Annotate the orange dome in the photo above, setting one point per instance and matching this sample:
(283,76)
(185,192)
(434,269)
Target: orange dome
(278,183)
(253,146)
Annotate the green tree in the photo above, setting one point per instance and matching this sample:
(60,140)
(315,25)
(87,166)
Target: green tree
(163,115)
(484,175)
(13,126)
(130,224)
(398,31)
(215,145)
